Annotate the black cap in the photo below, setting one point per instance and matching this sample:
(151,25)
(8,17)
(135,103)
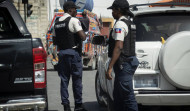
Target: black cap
(119,4)
(69,4)
(123,4)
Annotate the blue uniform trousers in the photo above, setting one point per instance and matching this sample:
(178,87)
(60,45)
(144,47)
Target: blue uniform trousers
(123,94)
(70,64)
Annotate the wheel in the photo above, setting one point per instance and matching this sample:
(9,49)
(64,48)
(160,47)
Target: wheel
(46,109)
(174,64)
(99,91)
(93,67)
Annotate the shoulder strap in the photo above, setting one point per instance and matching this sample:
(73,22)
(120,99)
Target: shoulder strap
(128,22)
(67,19)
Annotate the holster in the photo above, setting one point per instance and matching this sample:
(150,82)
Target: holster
(122,59)
(79,51)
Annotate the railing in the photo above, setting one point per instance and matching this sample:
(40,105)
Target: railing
(172,4)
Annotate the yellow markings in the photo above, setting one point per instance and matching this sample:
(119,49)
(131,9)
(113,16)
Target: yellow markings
(163,40)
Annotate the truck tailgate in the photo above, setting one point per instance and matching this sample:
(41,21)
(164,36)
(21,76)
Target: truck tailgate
(16,65)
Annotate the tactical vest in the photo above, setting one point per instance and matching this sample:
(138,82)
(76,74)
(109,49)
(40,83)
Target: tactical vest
(65,39)
(128,43)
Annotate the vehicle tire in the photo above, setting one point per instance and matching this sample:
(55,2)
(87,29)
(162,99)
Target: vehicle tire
(99,91)
(142,108)
(110,105)
(93,67)
(174,60)
(46,109)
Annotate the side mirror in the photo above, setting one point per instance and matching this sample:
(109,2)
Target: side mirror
(98,40)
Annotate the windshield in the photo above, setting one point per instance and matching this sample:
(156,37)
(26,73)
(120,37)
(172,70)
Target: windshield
(153,27)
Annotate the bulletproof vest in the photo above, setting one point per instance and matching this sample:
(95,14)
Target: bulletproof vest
(65,39)
(128,43)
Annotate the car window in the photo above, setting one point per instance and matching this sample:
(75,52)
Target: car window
(153,27)
(3,26)
(8,28)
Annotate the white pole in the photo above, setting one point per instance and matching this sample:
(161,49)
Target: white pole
(56,3)
(50,12)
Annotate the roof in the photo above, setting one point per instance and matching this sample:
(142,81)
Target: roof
(176,1)
(140,9)
(170,1)
(163,1)
(152,10)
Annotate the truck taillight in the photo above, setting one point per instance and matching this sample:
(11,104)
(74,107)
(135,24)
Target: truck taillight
(39,60)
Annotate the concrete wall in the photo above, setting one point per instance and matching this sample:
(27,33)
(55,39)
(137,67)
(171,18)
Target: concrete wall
(38,22)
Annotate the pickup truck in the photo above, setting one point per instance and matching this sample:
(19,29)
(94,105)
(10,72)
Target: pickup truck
(22,64)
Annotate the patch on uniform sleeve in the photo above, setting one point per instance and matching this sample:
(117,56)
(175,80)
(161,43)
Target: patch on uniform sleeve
(117,30)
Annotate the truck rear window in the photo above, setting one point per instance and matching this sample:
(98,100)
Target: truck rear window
(8,28)
(153,27)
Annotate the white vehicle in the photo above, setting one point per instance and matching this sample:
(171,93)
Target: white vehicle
(163,50)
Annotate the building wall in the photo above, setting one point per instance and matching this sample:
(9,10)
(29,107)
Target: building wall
(106,29)
(38,22)
(107,26)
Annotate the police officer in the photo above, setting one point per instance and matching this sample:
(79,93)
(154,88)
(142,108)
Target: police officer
(123,60)
(68,37)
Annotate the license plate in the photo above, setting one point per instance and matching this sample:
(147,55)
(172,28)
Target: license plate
(146,81)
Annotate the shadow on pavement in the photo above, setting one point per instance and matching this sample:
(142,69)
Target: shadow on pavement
(87,69)
(93,106)
(50,69)
(164,108)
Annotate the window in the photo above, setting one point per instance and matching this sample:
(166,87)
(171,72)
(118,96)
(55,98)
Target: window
(3,26)
(153,27)
(8,28)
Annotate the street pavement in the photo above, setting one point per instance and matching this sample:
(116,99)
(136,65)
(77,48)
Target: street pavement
(89,96)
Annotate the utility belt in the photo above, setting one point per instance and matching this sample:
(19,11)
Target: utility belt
(76,48)
(62,48)
(79,50)
(123,58)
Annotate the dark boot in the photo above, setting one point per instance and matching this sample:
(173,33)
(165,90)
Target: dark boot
(67,107)
(79,107)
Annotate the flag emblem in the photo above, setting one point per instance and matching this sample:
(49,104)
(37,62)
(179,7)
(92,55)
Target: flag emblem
(117,30)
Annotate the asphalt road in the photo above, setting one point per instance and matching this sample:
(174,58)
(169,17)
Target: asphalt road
(89,96)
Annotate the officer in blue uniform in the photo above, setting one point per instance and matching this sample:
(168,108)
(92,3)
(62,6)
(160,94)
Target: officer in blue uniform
(123,60)
(68,36)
